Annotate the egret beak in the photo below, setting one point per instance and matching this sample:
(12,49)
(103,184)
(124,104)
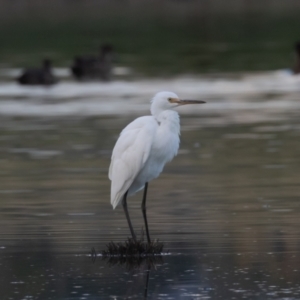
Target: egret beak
(183,102)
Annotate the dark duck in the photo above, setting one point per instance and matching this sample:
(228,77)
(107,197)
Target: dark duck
(297,64)
(38,76)
(94,67)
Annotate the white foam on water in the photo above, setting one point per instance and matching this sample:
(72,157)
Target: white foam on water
(256,97)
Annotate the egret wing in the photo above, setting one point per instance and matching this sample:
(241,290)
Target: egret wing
(130,155)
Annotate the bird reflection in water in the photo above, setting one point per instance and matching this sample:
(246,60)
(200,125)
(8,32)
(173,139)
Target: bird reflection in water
(136,264)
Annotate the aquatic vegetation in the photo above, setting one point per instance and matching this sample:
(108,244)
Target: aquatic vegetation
(135,262)
(131,248)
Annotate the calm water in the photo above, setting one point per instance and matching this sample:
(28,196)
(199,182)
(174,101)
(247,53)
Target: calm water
(227,208)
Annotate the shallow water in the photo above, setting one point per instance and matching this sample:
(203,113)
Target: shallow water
(227,207)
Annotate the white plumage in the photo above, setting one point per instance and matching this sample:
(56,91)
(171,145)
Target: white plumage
(144,147)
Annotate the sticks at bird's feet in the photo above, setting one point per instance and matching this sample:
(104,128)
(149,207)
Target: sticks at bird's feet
(133,247)
(135,262)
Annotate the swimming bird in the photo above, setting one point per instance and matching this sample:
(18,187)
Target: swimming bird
(142,150)
(297,65)
(38,76)
(94,67)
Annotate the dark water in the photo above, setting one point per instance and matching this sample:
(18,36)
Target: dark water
(227,209)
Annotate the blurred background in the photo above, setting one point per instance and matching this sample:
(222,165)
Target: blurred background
(157,37)
(74,73)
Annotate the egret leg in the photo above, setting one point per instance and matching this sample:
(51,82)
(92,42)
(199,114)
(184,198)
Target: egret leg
(124,203)
(144,212)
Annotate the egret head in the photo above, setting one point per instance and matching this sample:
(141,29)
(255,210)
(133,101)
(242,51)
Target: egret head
(168,100)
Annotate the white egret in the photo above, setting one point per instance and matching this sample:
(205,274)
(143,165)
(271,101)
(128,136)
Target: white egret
(142,150)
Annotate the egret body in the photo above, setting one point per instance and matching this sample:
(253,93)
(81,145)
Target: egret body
(142,150)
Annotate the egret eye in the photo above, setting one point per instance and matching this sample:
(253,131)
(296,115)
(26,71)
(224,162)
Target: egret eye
(170,99)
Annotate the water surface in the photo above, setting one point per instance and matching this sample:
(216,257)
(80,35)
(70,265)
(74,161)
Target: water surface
(226,208)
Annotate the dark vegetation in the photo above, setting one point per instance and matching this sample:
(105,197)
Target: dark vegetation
(157,37)
(131,248)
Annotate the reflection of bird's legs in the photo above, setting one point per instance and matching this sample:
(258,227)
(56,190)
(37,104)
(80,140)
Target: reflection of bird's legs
(147,283)
(144,212)
(124,203)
